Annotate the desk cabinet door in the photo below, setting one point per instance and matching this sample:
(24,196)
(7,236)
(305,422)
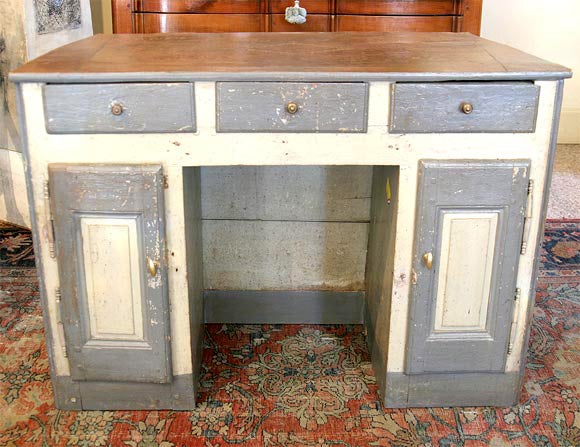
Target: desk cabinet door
(468,238)
(109,235)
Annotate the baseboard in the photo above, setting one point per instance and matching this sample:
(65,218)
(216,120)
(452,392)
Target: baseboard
(569,132)
(283,307)
(452,390)
(77,395)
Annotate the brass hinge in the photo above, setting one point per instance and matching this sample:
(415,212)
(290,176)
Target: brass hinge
(517,296)
(50,232)
(165,183)
(527,218)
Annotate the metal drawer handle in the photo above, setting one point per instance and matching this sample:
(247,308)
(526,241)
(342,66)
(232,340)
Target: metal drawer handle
(428,260)
(292,108)
(117,108)
(152,266)
(295,14)
(467,108)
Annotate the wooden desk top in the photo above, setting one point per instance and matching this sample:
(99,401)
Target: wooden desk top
(287,56)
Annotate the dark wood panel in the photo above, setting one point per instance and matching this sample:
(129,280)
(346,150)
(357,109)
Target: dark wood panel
(400,7)
(312,6)
(202,6)
(471,20)
(314,22)
(396,23)
(199,23)
(122,16)
(387,54)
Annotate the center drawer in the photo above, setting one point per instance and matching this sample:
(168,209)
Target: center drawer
(291,107)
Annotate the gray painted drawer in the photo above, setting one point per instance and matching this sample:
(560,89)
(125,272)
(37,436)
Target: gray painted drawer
(144,108)
(438,107)
(263,107)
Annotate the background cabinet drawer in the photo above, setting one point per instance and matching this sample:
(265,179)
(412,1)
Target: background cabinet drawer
(315,23)
(396,23)
(389,7)
(119,108)
(457,107)
(267,107)
(199,23)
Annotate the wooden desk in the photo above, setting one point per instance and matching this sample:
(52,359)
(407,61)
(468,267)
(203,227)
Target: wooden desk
(395,180)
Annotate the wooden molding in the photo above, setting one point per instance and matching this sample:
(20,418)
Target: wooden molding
(471,11)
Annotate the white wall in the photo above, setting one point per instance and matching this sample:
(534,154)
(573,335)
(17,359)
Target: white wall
(547,29)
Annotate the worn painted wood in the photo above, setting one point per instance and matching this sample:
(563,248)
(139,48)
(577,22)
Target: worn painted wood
(379,281)
(108,220)
(457,325)
(305,193)
(146,108)
(437,107)
(194,258)
(451,390)
(283,307)
(262,107)
(96,395)
(265,56)
(265,255)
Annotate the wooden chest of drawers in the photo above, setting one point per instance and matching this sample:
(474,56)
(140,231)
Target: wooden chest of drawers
(156,16)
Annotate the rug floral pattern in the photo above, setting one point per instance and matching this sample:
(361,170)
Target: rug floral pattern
(296,386)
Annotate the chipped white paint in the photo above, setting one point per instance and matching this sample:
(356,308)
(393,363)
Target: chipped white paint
(208,148)
(465,268)
(112,273)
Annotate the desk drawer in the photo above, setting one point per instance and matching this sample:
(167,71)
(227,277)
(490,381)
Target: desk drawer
(463,107)
(119,108)
(291,107)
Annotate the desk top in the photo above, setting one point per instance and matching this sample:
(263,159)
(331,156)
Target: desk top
(287,56)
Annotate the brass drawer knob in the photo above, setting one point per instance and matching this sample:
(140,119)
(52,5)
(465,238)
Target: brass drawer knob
(152,267)
(466,108)
(292,108)
(428,260)
(117,109)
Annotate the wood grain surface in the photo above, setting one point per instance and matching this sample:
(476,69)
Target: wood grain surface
(237,55)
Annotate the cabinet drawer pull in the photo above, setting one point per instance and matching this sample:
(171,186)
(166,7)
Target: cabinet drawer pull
(117,109)
(152,266)
(428,260)
(292,108)
(295,14)
(467,108)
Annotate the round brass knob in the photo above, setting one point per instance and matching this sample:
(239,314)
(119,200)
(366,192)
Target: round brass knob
(152,267)
(292,108)
(116,109)
(428,260)
(466,108)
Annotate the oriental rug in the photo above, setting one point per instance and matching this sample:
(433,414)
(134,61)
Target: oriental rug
(296,385)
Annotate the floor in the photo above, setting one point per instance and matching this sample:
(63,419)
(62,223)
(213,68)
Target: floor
(565,191)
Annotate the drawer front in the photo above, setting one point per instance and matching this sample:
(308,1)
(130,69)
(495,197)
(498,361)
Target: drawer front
(403,7)
(199,23)
(464,107)
(264,107)
(314,22)
(396,23)
(119,108)
(201,6)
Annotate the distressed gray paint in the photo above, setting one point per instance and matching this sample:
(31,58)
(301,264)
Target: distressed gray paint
(261,107)
(436,108)
(109,191)
(194,259)
(74,395)
(462,186)
(540,235)
(297,193)
(147,108)
(283,307)
(380,266)
(264,255)
(451,390)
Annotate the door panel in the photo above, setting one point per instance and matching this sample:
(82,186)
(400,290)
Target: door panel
(109,226)
(470,219)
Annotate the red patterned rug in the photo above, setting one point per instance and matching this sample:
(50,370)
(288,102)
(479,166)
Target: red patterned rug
(294,386)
